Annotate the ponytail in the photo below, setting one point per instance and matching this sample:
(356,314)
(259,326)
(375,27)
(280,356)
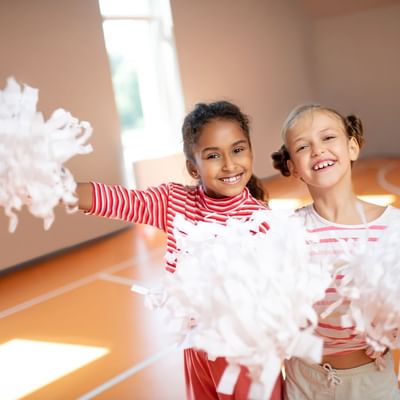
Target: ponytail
(256,189)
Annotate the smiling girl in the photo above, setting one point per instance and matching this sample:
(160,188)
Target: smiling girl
(320,146)
(219,156)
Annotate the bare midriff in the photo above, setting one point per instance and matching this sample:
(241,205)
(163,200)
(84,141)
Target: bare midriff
(350,360)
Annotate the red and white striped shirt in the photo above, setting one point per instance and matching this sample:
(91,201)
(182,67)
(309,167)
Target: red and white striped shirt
(328,242)
(158,206)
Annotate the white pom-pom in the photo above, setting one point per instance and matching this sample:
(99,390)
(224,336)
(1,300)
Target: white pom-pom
(249,294)
(32,153)
(373,285)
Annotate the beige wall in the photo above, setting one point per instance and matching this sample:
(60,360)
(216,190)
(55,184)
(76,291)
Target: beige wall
(57,46)
(256,53)
(156,171)
(357,70)
(270,55)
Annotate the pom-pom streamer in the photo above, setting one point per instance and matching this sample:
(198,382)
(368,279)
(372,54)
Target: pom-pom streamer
(32,153)
(372,284)
(245,295)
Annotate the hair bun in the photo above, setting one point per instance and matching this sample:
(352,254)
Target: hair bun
(280,159)
(354,128)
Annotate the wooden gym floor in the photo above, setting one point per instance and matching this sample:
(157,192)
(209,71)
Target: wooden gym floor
(114,348)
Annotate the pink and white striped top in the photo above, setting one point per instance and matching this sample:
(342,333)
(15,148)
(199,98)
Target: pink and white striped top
(328,241)
(158,206)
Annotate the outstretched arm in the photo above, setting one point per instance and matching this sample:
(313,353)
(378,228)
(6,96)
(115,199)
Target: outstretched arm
(148,206)
(85,195)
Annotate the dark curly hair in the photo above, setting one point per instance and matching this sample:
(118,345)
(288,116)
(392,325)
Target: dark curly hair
(351,124)
(202,114)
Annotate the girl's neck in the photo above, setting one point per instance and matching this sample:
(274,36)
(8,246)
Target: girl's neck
(341,207)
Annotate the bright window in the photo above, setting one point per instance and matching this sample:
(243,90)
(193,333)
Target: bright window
(140,45)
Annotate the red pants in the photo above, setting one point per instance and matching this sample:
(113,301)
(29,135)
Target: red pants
(202,377)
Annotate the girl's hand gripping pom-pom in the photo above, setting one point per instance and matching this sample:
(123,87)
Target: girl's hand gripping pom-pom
(249,295)
(32,153)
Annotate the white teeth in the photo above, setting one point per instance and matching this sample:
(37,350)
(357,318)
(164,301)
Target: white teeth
(232,179)
(323,164)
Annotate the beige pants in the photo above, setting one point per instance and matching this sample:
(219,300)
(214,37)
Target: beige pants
(314,382)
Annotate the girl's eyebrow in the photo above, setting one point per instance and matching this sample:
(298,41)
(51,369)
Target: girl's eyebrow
(326,129)
(241,141)
(210,149)
(299,139)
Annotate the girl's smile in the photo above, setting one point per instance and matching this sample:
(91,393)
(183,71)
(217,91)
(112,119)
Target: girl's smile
(319,165)
(232,180)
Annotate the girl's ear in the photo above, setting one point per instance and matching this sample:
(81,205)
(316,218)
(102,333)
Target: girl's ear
(354,148)
(192,169)
(292,169)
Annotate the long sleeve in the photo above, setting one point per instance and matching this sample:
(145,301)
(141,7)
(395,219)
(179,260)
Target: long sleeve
(139,206)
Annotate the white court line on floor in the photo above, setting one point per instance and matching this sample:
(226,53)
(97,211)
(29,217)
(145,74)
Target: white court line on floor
(117,279)
(129,372)
(67,288)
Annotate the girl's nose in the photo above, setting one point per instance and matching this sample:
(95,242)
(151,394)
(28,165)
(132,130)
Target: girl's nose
(228,164)
(317,150)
